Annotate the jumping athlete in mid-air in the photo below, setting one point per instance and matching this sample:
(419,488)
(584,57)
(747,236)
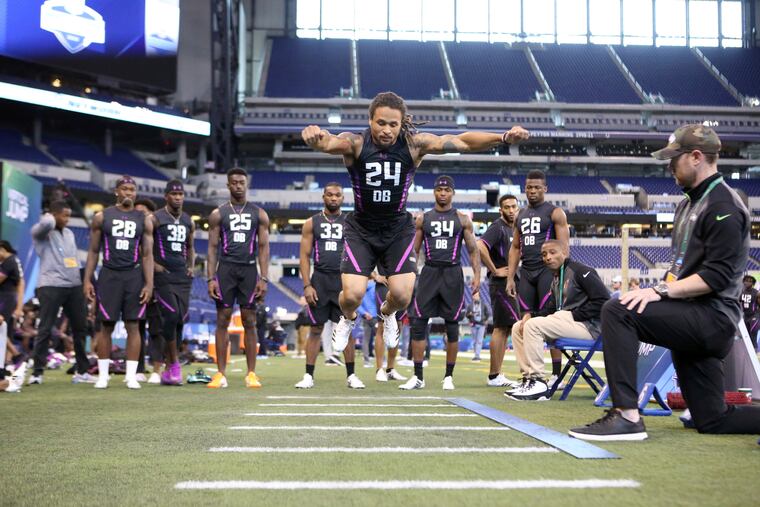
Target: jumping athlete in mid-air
(381,162)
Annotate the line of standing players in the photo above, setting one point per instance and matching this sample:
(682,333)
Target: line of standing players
(379,233)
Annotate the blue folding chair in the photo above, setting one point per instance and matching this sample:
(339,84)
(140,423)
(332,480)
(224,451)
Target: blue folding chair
(571,348)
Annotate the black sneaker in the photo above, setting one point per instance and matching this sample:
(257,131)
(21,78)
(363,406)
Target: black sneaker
(533,390)
(612,427)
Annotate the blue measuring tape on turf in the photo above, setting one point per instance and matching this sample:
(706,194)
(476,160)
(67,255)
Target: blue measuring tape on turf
(572,446)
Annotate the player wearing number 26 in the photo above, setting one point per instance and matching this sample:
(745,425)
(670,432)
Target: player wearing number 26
(381,162)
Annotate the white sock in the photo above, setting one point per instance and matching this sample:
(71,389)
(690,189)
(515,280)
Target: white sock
(103,365)
(131,370)
(3,343)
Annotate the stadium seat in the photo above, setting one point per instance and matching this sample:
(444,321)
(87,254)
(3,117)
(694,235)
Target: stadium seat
(571,348)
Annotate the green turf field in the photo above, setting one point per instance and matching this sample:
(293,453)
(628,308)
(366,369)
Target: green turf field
(69,444)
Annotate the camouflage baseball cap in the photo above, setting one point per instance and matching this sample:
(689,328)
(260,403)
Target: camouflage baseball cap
(688,138)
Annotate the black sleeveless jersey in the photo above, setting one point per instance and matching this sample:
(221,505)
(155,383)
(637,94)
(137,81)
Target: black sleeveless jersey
(381,178)
(749,303)
(327,245)
(498,240)
(121,238)
(171,240)
(238,230)
(535,226)
(442,237)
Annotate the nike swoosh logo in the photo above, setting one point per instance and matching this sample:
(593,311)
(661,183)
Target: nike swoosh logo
(722,217)
(584,276)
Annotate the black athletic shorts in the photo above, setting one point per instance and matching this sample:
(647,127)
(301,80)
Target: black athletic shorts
(388,245)
(534,288)
(328,287)
(237,283)
(172,292)
(504,308)
(381,292)
(440,293)
(119,294)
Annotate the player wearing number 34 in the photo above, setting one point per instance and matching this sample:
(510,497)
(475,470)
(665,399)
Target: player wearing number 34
(381,162)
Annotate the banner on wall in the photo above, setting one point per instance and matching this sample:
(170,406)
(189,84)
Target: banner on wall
(20,206)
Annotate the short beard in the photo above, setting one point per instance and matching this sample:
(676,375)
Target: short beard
(332,208)
(127,202)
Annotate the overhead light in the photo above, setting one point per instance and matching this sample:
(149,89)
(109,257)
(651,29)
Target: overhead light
(296,221)
(113,110)
(461,119)
(333,117)
(56,83)
(87,89)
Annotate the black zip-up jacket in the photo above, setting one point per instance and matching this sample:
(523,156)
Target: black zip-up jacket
(718,247)
(584,295)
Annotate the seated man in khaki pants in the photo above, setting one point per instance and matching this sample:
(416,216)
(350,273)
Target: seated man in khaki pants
(573,312)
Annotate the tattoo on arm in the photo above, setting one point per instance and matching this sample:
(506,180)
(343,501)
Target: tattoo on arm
(450,147)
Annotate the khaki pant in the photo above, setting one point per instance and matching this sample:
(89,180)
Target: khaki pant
(529,344)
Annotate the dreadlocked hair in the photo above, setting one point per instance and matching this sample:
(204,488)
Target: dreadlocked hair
(393,101)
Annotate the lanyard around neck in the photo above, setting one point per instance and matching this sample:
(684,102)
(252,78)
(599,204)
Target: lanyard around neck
(689,225)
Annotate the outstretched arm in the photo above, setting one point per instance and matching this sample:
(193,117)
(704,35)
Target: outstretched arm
(466,142)
(322,140)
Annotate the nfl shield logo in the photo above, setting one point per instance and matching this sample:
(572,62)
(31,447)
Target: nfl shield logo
(75,25)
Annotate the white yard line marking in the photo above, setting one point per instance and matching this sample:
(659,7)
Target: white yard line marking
(393,450)
(375,428)
(387,485)
(317,397)
(446,405)
(343,414)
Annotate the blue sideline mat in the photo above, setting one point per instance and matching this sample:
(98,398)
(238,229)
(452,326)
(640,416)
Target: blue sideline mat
(572,446)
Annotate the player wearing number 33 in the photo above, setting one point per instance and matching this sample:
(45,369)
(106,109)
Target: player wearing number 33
(238,231)
(381,162)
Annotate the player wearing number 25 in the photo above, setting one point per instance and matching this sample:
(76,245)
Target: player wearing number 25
(381,162)
(238,231)
(125,282)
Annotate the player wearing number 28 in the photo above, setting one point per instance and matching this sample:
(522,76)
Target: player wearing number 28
(125,282)
(381,162)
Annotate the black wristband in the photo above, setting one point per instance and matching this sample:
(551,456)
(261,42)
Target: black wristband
(264,279)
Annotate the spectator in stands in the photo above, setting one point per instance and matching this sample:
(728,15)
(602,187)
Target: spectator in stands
(572,311)
(12,286)
(694,310)
(478,314)
(633,284)
(59,286)
(617,284)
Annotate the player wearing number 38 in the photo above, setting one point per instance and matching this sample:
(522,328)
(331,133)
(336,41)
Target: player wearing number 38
(381,162)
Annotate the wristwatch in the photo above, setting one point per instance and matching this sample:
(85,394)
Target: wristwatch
(264,279)
(662,289)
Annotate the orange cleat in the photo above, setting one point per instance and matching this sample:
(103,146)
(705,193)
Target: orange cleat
(217,381)
(251,380)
